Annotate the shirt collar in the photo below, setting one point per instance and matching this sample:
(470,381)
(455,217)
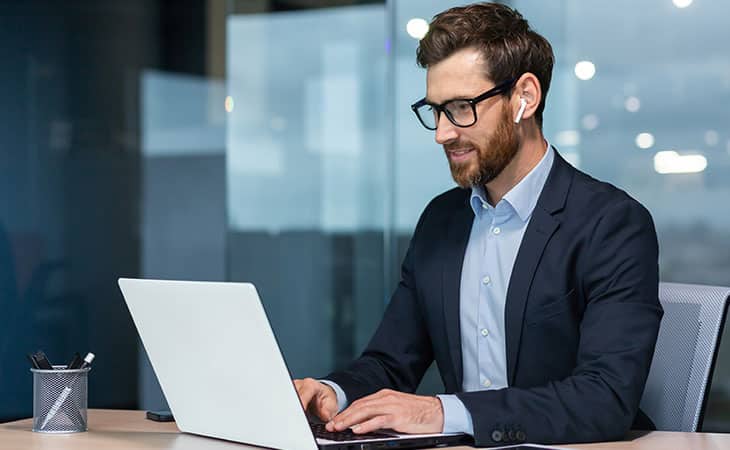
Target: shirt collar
(478,200)
(523,196)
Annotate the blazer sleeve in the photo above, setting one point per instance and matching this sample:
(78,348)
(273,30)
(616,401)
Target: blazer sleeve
(618,273)
(400,351)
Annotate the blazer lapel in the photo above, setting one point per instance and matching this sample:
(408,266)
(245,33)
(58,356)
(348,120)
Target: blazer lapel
(541,228)
(457,238)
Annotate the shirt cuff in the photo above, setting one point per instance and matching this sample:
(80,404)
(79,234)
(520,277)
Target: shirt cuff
(456,417)
(341,397)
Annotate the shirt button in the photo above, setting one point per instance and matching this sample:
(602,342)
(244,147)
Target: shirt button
(496,230)
(485,206)
(485,332)
(487,382)
(486,280)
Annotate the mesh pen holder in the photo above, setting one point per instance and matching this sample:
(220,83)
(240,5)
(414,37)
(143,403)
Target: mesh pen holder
(59,400)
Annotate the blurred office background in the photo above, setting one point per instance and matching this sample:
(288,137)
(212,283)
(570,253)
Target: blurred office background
(272,141)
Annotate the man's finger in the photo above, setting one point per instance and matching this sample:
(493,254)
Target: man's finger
(376,396)
(326,407)
(369,403)
(305,391)
(365,402)
(355,416)
(373,424)
(372,401)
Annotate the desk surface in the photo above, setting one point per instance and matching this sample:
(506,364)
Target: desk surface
(119,429)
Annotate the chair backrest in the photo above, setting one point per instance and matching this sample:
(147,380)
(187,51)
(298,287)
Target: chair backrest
(679,380)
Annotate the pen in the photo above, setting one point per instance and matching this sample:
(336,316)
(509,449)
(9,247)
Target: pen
(32,361)
(67,390)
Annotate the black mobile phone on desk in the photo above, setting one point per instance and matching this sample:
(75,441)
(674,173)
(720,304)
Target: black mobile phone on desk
(160,416)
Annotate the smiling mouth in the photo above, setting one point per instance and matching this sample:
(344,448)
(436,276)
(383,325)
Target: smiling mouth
(459,153)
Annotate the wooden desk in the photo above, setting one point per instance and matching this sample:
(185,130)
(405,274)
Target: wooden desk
(119,429)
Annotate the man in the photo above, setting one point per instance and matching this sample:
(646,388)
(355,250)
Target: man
(533,286)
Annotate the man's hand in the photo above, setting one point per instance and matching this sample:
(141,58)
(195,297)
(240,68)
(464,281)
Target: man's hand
(317,398)
(405,413)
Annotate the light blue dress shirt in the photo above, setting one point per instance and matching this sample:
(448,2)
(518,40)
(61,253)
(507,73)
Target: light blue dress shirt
(495,238)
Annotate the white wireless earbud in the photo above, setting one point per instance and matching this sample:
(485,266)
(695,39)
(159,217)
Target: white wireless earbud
(523,105)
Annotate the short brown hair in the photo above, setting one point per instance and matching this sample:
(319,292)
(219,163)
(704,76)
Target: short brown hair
(509,46)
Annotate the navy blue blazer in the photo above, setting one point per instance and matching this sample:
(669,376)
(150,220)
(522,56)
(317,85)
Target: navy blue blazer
(581,317)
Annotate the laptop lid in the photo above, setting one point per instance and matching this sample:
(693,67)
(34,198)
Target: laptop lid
(221,369)
(217,361)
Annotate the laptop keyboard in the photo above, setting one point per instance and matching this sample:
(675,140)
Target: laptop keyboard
(345,435)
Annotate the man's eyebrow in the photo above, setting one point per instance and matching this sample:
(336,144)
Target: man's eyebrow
(458,97)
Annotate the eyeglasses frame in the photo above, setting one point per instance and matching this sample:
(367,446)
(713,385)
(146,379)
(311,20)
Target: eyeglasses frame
(501,88)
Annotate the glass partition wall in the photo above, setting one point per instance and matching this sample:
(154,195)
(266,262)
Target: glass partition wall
(306,175)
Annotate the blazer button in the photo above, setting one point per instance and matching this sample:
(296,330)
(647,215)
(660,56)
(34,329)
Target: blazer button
(497,436)
(510,435)
(521,436)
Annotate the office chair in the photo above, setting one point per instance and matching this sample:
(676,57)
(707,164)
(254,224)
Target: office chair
(676,391)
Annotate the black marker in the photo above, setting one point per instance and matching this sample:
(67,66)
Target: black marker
(75,362)
(42,361)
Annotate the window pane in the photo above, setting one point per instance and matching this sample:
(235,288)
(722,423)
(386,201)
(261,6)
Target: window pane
(307,167)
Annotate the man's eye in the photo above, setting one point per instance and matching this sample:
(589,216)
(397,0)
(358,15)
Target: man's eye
(459,107)
(463,106)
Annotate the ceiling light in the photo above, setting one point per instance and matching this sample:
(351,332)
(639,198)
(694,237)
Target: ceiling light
(682,3)
(645,140)
(417,28)
(585,70)
(632,104)
(669,162)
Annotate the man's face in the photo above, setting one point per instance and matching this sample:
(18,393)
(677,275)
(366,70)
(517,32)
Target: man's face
(477,154)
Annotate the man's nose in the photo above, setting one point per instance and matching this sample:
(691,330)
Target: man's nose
(445,130)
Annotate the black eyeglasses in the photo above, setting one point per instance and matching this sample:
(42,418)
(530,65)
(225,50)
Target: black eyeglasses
(460,112)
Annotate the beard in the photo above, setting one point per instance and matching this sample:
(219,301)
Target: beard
(492,157)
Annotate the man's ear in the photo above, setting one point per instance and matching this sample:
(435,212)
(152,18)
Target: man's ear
(526,96)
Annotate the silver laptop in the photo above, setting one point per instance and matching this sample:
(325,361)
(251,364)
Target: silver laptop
(221,370)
